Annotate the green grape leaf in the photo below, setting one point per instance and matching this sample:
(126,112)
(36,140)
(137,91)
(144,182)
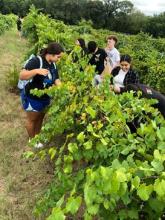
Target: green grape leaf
(144,191)
(73,204)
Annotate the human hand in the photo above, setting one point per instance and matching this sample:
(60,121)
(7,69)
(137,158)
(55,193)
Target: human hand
(43,72)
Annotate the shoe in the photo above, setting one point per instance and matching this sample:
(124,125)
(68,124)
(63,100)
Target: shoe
(38,146)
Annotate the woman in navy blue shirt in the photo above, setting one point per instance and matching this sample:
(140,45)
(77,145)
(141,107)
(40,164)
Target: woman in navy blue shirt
(40,77)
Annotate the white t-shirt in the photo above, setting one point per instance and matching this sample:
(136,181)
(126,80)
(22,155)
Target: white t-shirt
(114,56)
(119,79)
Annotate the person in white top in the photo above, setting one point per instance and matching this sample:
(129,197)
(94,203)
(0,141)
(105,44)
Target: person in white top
(123,75)
(112,52)
(118,80)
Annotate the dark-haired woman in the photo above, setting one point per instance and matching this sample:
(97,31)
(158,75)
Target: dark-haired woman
(81,42)
(81,53)
(40,77)
(123,75)
(98,59)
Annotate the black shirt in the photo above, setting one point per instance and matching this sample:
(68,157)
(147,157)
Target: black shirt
(98,60)
(40,81)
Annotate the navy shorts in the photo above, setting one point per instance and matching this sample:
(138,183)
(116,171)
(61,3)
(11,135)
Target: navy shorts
(33,105)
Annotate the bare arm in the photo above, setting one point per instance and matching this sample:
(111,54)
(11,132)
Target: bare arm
(28,74)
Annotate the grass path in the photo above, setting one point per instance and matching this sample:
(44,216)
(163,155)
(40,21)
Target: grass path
(21,181)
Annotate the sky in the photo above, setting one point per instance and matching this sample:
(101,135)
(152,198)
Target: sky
(150,7)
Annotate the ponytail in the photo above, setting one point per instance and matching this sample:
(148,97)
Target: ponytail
(43,52)
(53,49)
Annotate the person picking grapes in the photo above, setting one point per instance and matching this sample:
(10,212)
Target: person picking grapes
(39,78)
(123,75)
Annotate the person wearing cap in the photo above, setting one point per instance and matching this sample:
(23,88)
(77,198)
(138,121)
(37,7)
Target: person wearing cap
(112,52)
(123,75)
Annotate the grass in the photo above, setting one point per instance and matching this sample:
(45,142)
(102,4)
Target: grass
(21,181)
(12,78)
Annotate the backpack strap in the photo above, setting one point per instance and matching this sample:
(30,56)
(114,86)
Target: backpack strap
(22,83)
(41,61)
(54,65)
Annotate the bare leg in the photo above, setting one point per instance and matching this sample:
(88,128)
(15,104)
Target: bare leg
(32,122)
(38,125)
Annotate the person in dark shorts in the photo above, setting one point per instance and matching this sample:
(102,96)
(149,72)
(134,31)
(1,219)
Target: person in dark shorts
(39,78)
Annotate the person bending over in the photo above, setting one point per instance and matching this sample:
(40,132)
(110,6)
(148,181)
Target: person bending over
(39,78)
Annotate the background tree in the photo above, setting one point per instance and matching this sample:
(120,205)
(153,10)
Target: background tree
(156,25)
(95,11)
(115,15)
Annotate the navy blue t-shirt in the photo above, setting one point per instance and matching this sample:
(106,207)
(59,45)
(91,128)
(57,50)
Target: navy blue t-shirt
(41,81)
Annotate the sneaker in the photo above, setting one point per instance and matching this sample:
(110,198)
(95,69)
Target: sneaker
(39,146)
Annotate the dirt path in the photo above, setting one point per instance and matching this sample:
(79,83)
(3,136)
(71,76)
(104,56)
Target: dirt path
(21,181)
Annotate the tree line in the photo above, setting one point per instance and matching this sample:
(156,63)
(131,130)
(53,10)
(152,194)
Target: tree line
(120,16)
